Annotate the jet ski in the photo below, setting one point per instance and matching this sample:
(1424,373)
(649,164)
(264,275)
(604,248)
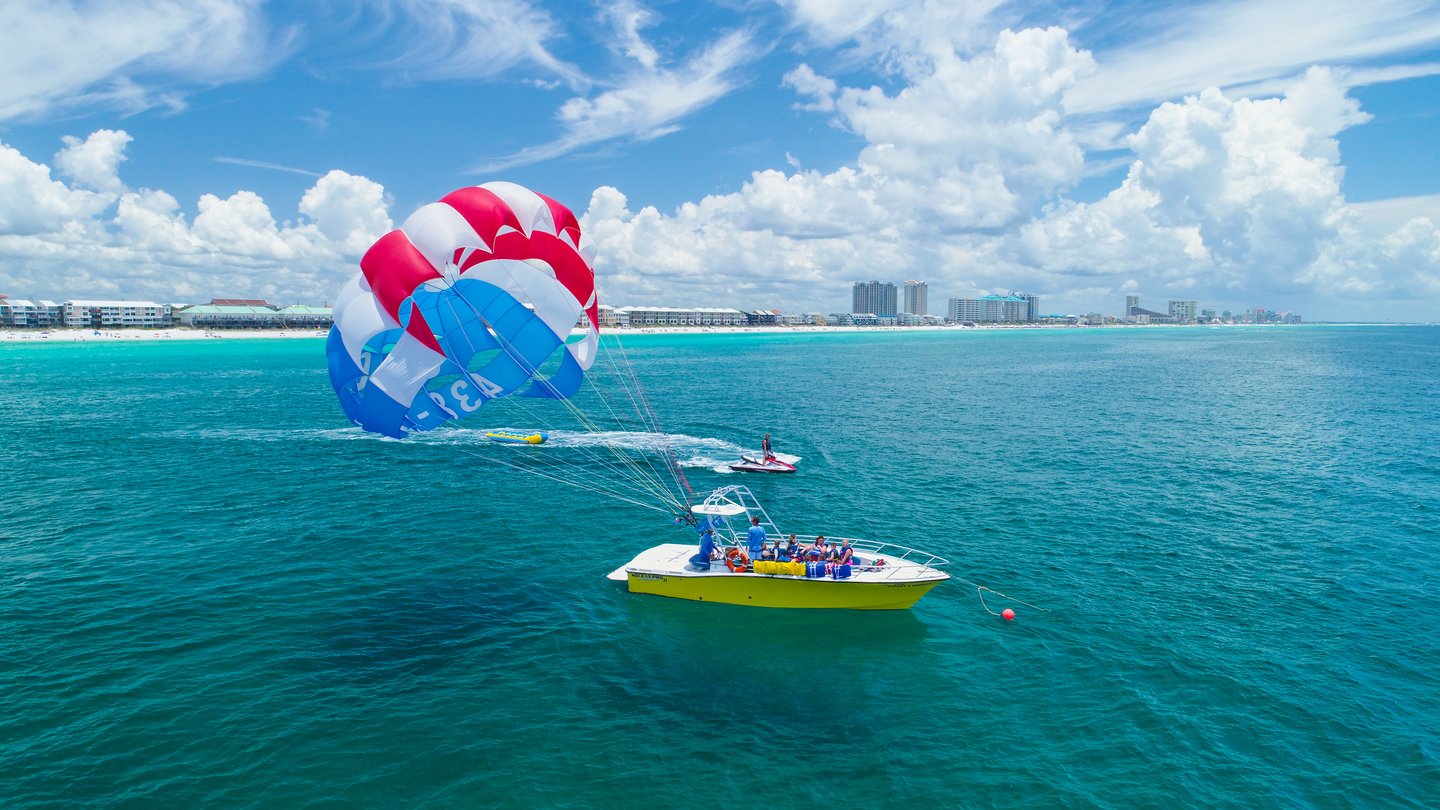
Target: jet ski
(780,463)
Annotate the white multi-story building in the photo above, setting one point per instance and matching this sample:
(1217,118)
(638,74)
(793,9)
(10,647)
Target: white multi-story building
(1032,306)
(84,313)
(683,316)
(1182,311)
(917,294)
(995,309)
(610,317)
(26,314)
(963,309)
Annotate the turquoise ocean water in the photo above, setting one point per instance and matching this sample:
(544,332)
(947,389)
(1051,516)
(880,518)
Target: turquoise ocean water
(216,593)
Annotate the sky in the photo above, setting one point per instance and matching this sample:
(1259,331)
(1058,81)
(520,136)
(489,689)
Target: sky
(1264,153)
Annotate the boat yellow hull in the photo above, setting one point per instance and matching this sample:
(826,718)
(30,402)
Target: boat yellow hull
(783,592)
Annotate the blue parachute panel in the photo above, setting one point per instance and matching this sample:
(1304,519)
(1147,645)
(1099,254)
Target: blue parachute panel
(562,384)
(494,346)
(365,405)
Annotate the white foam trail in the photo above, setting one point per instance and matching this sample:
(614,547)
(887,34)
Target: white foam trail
(691,452)
(258,435)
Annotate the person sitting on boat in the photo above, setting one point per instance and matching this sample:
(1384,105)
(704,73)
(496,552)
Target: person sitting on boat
(847,554)
(767,449)
(771,552)
(791,552)
(817,550)
(707,549)
(755,538)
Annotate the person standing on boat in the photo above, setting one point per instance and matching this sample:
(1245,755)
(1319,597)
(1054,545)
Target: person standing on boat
(767,449)
(755,538)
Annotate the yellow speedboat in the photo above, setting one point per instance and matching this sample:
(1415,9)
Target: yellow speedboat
(882,576)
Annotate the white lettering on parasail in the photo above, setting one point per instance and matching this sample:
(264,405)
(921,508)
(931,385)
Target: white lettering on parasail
(462,393)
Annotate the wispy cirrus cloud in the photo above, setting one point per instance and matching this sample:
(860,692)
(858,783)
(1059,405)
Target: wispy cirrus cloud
(471,39)
(262,164)
(1256,44)
(136,55)
(646,104)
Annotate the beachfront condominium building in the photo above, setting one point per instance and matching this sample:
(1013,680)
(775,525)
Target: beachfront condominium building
(1132,303)
(917,295)
(962,310)
(1182,311)
(875,297)
(116,313)
(1032,306)
(23,313)
(1013,308)
(682,316)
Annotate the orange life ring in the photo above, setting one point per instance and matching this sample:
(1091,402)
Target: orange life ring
(737,562)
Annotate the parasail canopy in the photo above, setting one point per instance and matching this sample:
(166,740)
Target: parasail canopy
(472,298)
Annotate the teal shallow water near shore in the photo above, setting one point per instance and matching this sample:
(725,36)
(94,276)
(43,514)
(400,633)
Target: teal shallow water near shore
(217,593)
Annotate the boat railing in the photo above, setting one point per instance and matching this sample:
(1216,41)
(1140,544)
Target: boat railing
(880,549)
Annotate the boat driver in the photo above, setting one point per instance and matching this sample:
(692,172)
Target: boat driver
(707,549)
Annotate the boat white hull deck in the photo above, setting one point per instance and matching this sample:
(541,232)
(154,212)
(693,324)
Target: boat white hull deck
(665,570)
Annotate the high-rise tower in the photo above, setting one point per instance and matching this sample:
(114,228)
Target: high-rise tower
(916,293)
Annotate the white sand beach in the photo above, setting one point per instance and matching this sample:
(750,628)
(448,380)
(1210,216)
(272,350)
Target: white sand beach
(112,335)
(180,333)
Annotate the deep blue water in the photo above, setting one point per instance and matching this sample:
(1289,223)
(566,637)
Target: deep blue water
(216,593)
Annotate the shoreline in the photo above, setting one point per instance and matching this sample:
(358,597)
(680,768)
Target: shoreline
(166,333)
(186,334)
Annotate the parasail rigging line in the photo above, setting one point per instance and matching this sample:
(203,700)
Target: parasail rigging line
(643,410)
(652,486)
(622,464)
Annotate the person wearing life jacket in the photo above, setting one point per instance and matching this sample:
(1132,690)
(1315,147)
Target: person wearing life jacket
(791,552)
(818,549)
(846,554)
(767,449)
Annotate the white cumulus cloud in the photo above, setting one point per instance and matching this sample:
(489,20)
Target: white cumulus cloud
(59,240)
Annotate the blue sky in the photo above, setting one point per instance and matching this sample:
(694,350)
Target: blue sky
(753,154)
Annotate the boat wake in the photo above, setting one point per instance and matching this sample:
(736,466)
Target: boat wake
(260,435)
(691,452)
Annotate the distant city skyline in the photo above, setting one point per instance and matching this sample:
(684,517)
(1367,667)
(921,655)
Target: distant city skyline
(1012,307)
(1081,151)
